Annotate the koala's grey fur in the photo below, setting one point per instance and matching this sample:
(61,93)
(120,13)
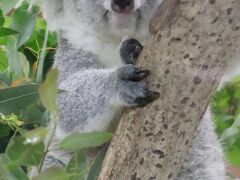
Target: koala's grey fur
(97,80)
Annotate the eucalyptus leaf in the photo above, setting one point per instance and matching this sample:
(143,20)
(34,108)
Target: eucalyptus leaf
(52,173)
(2,19)
(236,123)
(24,64)
(232,154)
(4,77)
(231,134)
(21,152)
(36,135)
(23,21)
(3,60)
(4,130)
(39,76)
(32,114)
(77,166)
(12,100)
(13,58)
(9,172)
(3,85)
(97,164)
(78,141)
(7,5)
(48,91)
(7,32)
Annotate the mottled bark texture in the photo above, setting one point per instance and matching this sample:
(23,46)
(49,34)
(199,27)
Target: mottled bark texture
(187,57)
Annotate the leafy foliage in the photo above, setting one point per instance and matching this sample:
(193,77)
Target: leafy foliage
(12,100)
(28,100)
(226,109)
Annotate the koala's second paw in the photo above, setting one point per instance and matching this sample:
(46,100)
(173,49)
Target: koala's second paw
(130,50)
(133,92)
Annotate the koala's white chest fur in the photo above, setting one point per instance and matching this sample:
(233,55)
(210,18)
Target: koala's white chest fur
(106,48)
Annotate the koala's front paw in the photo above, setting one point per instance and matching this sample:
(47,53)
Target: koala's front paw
(133,92)
(130,50)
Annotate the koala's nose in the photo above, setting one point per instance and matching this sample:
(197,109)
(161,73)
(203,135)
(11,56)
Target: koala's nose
(122,6)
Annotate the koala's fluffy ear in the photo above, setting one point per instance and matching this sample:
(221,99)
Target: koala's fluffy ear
(52,11)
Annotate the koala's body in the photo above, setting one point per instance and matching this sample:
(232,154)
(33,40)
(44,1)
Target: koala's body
(100,79)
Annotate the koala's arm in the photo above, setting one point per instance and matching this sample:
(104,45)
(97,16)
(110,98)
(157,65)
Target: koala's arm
(94,95)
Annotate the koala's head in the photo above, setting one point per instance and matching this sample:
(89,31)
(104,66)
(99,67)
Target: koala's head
(112,17)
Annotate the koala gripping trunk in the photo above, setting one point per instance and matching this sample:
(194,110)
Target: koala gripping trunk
(187,57)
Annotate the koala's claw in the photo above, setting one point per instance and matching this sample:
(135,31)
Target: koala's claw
(150,97)
(132,73)
(139,75)
(130,50)
(132,91)
(134,54)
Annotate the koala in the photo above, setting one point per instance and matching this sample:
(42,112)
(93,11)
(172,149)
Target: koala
(97,70)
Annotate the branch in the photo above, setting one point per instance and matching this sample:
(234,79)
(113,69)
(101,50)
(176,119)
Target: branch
(187,61)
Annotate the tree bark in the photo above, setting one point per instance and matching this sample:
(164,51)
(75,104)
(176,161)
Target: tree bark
(187,57)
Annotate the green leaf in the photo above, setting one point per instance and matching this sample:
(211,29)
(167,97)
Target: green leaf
(4,130)
(32,114)
(41,59)
(4,77)
(23,21)
(236,123)
(23,153)
(52,39)
(3,85)
(77,166)
(12,100)
(7,31)
(2,19)
(13,58)
(10,172)
(45,119)
(36,135)
(48,91)
(78,141)
(96,167)
(231,135)
(53,173)
(24,64)
(7,5)
(3,60)
(232,154)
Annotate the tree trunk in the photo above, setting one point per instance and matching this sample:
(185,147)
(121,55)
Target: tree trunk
(187,57)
